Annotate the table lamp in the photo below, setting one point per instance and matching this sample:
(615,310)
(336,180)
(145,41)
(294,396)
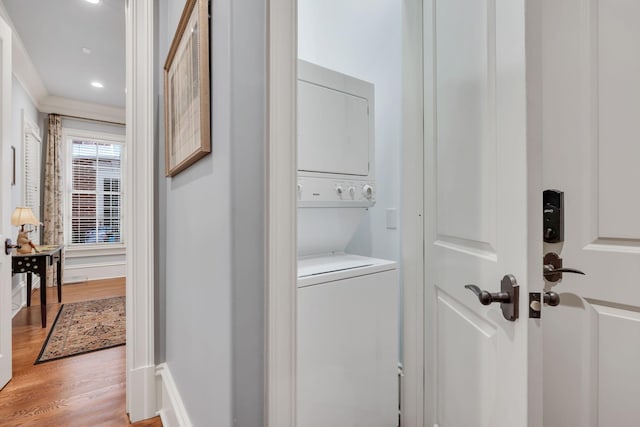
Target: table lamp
(21,217)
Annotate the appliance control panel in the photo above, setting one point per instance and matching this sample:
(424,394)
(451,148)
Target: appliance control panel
(335,192)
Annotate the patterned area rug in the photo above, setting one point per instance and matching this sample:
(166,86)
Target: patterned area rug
(83,327)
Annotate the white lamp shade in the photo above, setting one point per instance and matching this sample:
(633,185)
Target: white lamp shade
(22,216)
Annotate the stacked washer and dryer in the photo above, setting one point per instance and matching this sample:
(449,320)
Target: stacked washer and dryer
(347,331)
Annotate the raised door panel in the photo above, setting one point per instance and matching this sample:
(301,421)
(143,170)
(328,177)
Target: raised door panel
(618,353)
(591,364)
(465,104)
(616,66)
(466,365)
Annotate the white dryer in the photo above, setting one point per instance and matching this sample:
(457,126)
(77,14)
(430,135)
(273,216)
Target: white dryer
(347,327)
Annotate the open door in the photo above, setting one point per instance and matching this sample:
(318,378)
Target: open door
(5,201)
(483,218)
(591,151)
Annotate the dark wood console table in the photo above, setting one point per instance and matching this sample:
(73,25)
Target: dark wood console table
(38,263)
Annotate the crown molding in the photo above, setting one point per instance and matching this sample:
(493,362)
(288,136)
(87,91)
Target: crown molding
(86,110)
(23,69)
(25,72)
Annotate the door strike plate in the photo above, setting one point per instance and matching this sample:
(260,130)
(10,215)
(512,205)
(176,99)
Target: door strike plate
(535,305)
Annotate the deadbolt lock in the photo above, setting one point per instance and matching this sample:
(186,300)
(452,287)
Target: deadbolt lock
(553,216)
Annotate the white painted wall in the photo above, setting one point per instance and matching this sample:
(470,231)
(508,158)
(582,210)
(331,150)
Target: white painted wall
(20,102)
(364,39)
(210,284)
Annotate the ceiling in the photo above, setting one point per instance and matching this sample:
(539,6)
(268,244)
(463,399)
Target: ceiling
(54,34)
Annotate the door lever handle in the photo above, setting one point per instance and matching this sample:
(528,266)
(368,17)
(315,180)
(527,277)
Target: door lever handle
(487,298)
(552,268)
(507,297)
(8,246)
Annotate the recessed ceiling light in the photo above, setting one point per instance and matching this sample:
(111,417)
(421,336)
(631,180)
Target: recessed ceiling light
(93,1)
(86,50)
(97,84)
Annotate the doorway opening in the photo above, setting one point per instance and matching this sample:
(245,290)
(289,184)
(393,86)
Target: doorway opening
(349,208)
(111,204)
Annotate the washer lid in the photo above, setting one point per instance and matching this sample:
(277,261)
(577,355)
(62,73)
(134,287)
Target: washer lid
(331,265)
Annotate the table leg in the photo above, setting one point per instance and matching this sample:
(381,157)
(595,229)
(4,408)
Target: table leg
(43,296)
(29,282)
(59,278)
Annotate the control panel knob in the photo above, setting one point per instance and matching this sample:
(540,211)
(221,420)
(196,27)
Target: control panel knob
(367,191)
(339,190)
(299,188)
(352,192)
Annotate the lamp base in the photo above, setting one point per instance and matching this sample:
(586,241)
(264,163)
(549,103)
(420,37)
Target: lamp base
(25,245)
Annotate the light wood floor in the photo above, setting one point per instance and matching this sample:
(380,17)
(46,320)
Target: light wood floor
(80,391)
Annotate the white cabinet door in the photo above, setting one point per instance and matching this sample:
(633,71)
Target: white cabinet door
(482,202)
(591,152)
(5,201)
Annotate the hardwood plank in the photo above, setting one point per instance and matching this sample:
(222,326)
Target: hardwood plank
(84,390)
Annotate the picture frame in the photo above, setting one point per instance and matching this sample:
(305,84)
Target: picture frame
(13,165)
(186,90)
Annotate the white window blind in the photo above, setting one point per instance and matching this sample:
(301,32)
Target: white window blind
(32,152)
(96,202)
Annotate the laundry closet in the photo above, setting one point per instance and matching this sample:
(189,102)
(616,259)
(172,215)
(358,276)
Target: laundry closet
(348,189)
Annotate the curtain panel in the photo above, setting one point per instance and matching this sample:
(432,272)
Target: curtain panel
(53,197)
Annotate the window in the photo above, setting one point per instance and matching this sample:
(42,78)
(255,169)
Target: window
(96,197)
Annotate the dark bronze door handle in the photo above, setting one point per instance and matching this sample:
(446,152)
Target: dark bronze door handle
(552,268)
(487,298)
(507,297)
(551,298)
(8,246)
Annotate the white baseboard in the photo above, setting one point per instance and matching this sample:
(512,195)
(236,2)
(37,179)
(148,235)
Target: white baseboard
(98,271)
(170,407)
(18,298)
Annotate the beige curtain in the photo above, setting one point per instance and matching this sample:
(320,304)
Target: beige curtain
(53,197)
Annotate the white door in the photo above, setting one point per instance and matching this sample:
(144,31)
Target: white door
(5,201)
(591,152)
(483,216)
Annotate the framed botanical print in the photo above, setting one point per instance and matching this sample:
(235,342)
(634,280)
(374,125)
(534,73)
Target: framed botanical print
(186,90)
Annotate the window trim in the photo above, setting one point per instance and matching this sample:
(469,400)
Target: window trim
(91,249)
